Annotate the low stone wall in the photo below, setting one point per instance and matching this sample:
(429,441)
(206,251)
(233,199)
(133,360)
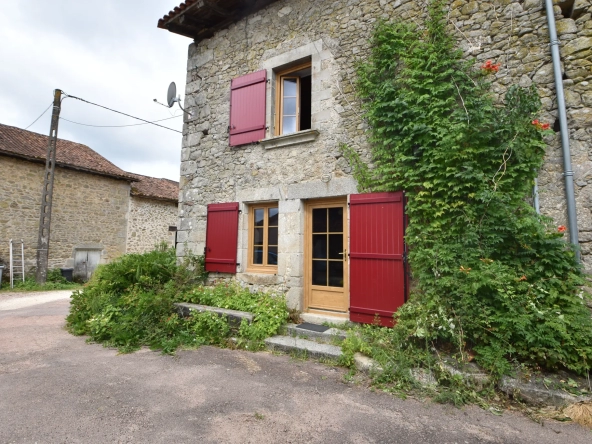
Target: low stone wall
(87,209)
(148,223)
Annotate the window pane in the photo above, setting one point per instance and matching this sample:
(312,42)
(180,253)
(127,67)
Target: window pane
(319,220)
(288,125)
(273,217)
(258,254)
(290,106)
(290,87)
(336,274)
(335,246)
(319,246)
(319,273)
(272,256)
(336,220)
(272,236)
(258,237)
(259,215)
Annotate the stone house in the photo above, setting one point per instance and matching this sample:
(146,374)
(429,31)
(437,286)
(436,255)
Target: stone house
(99,211)
(265,191)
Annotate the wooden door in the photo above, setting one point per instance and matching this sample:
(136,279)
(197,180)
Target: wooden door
(325,256)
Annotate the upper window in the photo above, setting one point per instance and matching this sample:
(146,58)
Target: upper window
(263,237)
(293,101)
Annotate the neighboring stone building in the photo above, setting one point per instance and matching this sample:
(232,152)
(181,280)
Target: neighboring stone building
(270,88)
(153,213)
(99,211)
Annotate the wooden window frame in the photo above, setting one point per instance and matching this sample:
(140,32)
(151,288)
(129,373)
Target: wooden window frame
(251,266)
(279,99)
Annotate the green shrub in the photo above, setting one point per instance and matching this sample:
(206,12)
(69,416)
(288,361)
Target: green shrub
(269,312)
(129,303)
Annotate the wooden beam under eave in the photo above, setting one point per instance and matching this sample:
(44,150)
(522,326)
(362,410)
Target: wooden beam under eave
(187,31)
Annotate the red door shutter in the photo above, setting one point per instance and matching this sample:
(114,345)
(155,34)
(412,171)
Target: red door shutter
(222,237)
(377,271)
(247,108)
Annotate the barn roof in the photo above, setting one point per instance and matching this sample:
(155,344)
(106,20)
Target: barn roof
(151,187)
(23,144)
(17,142)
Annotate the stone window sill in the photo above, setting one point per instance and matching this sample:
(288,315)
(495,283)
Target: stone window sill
(290,139)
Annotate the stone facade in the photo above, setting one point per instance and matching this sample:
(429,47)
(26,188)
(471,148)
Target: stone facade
(88,209)
(335,35)
(148,223)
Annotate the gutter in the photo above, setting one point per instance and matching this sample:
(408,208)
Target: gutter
(572,218)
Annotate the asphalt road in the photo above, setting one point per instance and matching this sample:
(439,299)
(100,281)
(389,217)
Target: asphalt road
(56,388)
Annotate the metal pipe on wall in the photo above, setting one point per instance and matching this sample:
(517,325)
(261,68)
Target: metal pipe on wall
(572,218)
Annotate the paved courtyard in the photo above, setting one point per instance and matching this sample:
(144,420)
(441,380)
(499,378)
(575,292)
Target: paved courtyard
(56,388)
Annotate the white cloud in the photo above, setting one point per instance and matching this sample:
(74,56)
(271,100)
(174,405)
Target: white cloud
(108,52)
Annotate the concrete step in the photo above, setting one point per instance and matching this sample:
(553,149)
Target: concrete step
(310,348)
(326,336)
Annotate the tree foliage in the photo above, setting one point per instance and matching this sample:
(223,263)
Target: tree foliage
(491,275)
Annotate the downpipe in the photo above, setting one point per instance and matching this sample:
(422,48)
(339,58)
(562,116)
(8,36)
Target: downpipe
(572,218)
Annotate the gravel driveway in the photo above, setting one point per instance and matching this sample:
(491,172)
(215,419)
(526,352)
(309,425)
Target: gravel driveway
(56,388)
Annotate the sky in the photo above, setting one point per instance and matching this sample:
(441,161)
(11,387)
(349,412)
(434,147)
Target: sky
(109,52)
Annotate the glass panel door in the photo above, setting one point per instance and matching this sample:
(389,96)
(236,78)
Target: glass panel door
(326,256)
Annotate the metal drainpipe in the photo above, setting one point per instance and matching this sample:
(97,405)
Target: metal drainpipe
(535,192)
(572,218)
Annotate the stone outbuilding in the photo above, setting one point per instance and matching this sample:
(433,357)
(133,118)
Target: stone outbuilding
(265,190)
(99,211)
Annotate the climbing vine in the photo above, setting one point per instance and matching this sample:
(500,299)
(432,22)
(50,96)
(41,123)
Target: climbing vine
(491,276)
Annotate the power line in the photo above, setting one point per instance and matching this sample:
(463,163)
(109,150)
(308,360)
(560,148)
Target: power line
(118,126)
(39,116)
(119,112)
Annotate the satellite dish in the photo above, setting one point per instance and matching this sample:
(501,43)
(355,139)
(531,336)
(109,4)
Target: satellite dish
(171,95)
(171,99)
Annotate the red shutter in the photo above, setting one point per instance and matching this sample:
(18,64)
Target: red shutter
(247,108)
(222,237)
(377,270)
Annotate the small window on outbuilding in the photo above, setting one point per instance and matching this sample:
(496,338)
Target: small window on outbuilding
(293,99)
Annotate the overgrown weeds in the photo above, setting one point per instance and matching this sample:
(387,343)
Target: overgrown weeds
(129,303)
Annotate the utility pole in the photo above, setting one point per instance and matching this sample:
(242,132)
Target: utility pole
(47,192)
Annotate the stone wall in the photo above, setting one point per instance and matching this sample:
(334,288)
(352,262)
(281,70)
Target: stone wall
(148,223)
(87,209)
(336,36)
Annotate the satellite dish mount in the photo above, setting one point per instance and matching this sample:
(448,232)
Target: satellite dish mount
(172,97)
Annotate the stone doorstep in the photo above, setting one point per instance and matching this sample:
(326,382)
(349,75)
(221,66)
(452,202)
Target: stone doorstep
(327,336)
(234,317)
(311,348)
(538,394)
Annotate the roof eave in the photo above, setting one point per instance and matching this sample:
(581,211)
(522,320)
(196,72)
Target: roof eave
(189,20)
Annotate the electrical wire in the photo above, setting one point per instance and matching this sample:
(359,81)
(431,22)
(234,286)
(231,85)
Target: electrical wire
(51,103)
(118,126)
(119,112)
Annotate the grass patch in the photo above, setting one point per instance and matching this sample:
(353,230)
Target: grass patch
(55,281)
